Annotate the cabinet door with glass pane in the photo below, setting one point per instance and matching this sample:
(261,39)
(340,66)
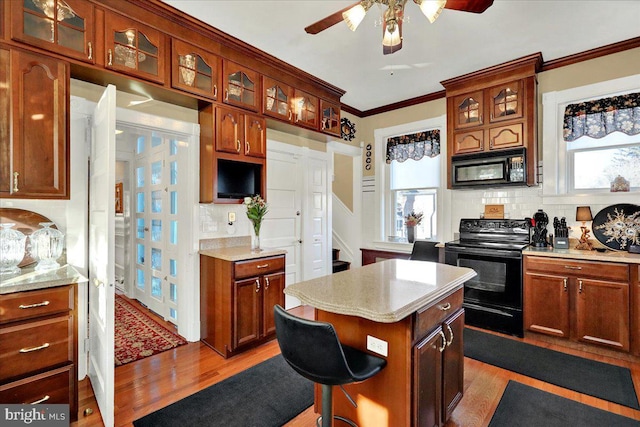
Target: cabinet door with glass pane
(330,117)
(468,110)
(62,26)
(134,48)
(240,86)
(277,99)
(194,70)
(305,108)
(505,101)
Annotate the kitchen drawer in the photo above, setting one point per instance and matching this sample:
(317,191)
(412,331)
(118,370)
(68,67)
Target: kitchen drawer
(430,317)
(51,387)
(593,269)
(35,346)
(258,267)
(26,305)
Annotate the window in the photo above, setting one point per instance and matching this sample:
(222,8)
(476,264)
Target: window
(413,186)
(593,164)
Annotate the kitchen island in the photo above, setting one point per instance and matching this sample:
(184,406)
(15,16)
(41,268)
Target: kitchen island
(409,312)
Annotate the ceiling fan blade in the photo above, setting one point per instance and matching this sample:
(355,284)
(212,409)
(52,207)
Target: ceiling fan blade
(327,22)
(474,6)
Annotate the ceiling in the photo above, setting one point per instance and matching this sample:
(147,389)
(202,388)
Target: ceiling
(455,44)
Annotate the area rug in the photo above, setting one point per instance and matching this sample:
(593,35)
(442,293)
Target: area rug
(601,380)
(525,406)
(266,395)
(138,336)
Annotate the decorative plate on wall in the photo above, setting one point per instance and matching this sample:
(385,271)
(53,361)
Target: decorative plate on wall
(618,226)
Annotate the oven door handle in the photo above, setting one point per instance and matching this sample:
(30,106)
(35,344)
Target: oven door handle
(485,252)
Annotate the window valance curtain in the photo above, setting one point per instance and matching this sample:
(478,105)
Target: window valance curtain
(413,146)
(603,116)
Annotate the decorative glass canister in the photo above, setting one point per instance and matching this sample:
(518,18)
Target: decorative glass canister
(46,245)
(12,244)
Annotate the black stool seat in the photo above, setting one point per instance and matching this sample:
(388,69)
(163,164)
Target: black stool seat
(424,251)
(313,350)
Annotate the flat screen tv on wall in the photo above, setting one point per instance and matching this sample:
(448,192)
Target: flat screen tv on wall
(237,180)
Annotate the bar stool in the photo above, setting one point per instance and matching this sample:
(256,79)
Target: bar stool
(313,350)
(424,251)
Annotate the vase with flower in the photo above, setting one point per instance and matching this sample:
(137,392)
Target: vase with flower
(257,208)
(411,221)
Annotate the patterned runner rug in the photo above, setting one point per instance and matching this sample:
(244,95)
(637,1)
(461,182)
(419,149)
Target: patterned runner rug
(138,336)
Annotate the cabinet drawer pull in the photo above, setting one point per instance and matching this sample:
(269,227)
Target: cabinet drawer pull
(110,58)
(444,342)
(257,285)
(15,181)
(262,266)
(451,335)
(40,304)
(445,307)
(29,350)
(572,267)
(44,399)
(90,55)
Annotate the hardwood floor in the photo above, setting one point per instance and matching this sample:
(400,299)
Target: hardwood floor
(149,384)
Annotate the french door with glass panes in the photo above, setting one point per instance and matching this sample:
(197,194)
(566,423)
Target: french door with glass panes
(156,220)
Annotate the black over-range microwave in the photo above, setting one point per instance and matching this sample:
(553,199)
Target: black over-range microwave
(496,168)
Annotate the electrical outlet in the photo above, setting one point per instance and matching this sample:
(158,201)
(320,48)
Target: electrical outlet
(377,345)
(232,216)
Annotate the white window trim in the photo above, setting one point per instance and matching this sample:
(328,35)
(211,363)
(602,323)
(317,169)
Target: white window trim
(555,184)
(444,197)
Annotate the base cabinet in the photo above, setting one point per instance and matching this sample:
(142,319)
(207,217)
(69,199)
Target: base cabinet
(39,347)
(237,299)
(439,372)
(584,301)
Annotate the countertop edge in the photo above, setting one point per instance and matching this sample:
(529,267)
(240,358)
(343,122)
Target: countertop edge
(610,256)
(240,253)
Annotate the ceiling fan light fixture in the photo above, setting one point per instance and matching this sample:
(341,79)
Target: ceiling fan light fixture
(354,16)
(431,8)
(391,37)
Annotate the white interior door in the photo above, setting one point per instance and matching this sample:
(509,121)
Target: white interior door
(316,246)
(101,253)
(282,225)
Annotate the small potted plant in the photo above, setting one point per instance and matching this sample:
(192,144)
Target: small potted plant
(257,208)
(411,220)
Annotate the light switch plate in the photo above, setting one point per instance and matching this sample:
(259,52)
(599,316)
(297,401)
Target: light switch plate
(232,216)
(377,345)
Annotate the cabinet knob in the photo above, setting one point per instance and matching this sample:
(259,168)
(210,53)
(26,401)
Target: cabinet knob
(15,181)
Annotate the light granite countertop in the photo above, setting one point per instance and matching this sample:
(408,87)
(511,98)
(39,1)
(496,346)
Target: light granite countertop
(240,253)
(31,279)
(385,292)
(608,256)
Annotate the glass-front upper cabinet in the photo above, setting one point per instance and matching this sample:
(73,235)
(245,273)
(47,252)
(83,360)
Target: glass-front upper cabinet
(194,70)
(134,48)
(277,98)
(506,101)
(240,86)
(469,111)
(61,26)
(330,122)
(305,109)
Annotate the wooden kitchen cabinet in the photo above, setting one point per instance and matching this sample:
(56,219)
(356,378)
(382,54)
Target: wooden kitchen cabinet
(278,99)
(237,299)
(134,48)
(241,86)
(240,133)
(438,372)
(39,347)
(36,151)
(494,109)
(305,107)
(194,69)
(64,27)
(330,120)
(586,301)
